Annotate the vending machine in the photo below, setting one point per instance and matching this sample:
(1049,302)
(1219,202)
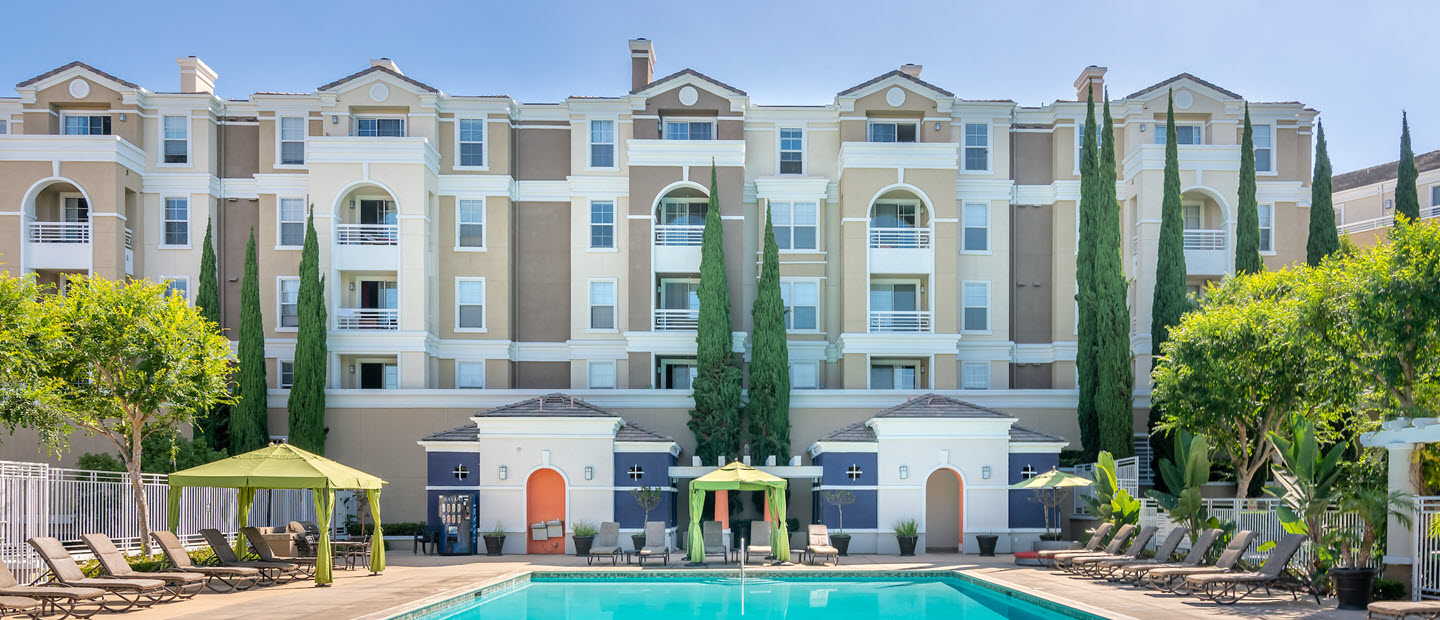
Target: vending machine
(457,524)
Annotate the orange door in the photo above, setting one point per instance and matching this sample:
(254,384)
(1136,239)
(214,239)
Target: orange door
(544,501)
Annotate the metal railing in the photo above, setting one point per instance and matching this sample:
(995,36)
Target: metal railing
(367,318)
(678,234)
(1259,515)
(1198,239)
(672,320)
(900,238)
(1425,549)
(904,321)
(367,234)
(1383,222)
(59,232)
(1127,477)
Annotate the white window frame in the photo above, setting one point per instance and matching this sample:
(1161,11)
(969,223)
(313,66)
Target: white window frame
(484,226)
(1274,161)
(280,223)
(1079,140)
(189,230)
(590,227)
(185,280)
(1199,215)
(280,141)
(985,208)
(789,206)
(1159,128)
(4,126)
(989,301)
(78,113)
(1434,195)
(484,139)
(922,378)
(989,147)
(590,144)
(484,306)
(480,363)
(780,150)
(590,306)
(79,197)
(404,125)
(965,376)
(791,282)
(663,371)
(871,123)
(796,386)
(160,153)
(280,303)
(1268,231)
(280,374)
(590,375)
(690,120)
(384,362)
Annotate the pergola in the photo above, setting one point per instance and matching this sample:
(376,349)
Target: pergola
(283,466)
(738,476)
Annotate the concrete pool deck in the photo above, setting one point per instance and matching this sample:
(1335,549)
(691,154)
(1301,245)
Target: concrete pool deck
(411,578)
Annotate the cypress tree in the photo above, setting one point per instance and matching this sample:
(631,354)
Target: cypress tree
(1407,195)
(212,425)
(249,423)
(1115,378)
(307,390)
(1324,240)
(716,417)
(1085,364)
(1169,301)
(769,406)
(1247,219)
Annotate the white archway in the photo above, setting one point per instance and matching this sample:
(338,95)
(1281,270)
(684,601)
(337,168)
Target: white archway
(964,516)
(1215,195)
(27,204)
(665,191)
(353,185)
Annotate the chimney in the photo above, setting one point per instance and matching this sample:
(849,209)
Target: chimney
(642,63)
(1092,75)
(196,76)
(387,63)
(911,70)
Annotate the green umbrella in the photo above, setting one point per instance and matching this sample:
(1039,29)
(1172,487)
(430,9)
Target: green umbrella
(1047,490)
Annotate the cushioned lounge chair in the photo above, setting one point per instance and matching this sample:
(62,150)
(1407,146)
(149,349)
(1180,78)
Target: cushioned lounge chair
(714,540)
(262,549)
(270,572)
(818,544)
(606,544)
(1133,572)
(655,544)
(1231,588)
(759,531)
(22,604)
(219,578)
(72,602)
(1173,579)
(1065,561)
(1046,557)
(1109,569)
(180,585)
(1086,564)
(129,593)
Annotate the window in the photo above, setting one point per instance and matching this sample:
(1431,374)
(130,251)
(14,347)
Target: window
(602,224)
(380,127)
(1389,204)
(792,151)
(1185,134)
(472,142)
(977,227)
(470,223)
(975,376)
(976,306)
(470,303)
(178,286)
(689,130)
(97,125)
(892,131)
(893,297)
(292,221)
(76,209)
(1435,195)
(470,375)
(4,126)
(177,221)
(895,376)
(602,304)
(683,212)
(379,376)
(1080,141)
(795,223)
(1192,216)
(1263,139)
(601,375)
(292,141)
(1267,228)
(805,376)
(177,139)
(802,304)
(602,144)
(288,298)
(977,146)
(677,374)
(287,375)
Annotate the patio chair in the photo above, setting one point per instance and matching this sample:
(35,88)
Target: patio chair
(180,585)
(73,602)
(818,544)
(262,549)
(426,541)
(1096,539)
(1063,561)
(219,578)
(270,572)
(23,604)
(1173,579)
(1109,569)
(1086,564)
(714,540)
(655,533)
(131,593)
(1225,588)
(759,531)
(1403,610)
(1134,572)
(606,544)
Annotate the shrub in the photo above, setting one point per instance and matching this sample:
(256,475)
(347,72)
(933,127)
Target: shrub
(906,528)
(398,528)
(1389,589)
(585,528)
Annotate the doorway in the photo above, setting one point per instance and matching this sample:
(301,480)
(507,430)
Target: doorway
(544,501)
(944,512)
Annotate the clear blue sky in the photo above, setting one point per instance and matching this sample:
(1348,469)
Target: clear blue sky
(1358,63)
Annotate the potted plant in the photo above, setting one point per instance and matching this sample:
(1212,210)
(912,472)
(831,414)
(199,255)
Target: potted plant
(1365,494)
(907,533)
(987,544)
(647,498)
(839,538)
(584,536)
(495,539)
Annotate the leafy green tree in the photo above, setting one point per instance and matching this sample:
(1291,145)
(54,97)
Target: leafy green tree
(769,406)
(716,417)
(249,419)
(214,425)
(1324,239)
(1092,197)
(165,453)
(1115,378)
(1407,195)
(1247,217)
(29,341)
(1171,298)
(306,404)
(1111,503)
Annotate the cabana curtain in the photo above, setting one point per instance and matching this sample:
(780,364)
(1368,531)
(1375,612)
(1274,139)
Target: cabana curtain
(740,477)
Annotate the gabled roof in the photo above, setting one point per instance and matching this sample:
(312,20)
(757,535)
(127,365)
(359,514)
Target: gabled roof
(1021,434)
(684,72)
(549,405)
(372,69)
(72,65)
(896,73)
(858,431)
(937,406)
(1177,78)
(632,432)
(1382,172)
(469,432)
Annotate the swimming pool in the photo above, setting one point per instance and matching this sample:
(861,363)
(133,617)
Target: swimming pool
(911,595)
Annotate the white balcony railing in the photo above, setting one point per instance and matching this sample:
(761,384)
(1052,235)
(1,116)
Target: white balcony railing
(904,238)
(1383,222)
(367,318)
(59,232)
(676,320)
(367,234)
(1196,239)
(903,321)
(678,234)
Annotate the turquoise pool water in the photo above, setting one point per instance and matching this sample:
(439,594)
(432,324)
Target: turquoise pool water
(759,599)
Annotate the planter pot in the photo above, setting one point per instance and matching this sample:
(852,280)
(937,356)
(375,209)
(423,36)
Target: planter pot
(1354,587)
(493,544)
(638,540)
(987,544)
(582,545)
(907,544)
(1049,537)
(841,543)
(1051,545)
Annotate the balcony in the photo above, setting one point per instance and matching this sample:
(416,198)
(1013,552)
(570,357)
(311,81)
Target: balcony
(58,245)
(1382,222)
(685,152)
(367,318)
(677,247)
(367,234)
(900,321)
(909,155)
(48,148)
(676,320)
(1205,252)
(901,250)
(372,247)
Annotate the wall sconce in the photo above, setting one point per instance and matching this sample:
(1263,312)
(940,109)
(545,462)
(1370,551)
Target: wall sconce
(352,369)
(937,125)
(1142,127)
(504,472)
(352,203)
(334,120)
(904,472)
(985,472)
(123,117)
(352,286)
(589,473)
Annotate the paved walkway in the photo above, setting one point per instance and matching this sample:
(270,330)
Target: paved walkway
(411,578)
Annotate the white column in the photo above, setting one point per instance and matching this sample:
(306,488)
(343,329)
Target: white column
(1398,545)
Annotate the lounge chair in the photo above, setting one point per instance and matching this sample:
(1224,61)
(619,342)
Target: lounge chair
(818,544)
(1064,561)
(1173,579)
(262,549)
(1225,588)
(179,585)
(714,540)
(1404,610)
(655,546)
(24,604)
(759,530)
(1133,572)
(270,572)
(1107,569)
(606,544)
(1086,564)
(220,578)
(131,593)
(1047,556)
(73,602)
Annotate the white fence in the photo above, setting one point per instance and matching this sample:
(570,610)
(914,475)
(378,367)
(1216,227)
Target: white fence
(1425,534)
(1257,515)
(1127,477)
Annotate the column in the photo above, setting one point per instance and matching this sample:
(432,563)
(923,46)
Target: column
(1399,545)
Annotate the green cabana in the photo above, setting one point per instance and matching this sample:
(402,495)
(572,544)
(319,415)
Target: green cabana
(740,477)
(283,466)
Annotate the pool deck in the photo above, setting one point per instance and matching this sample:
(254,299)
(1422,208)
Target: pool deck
(411,578)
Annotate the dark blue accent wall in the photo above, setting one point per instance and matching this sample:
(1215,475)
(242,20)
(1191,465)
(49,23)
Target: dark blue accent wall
(440,465)
(1025,512)
(656,466)
(835,465)
(859,515)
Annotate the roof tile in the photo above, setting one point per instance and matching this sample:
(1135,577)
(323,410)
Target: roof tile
(67,67)
(1177,78)
(374,68)
(549,405)
(895,73)
(684,72)
(1382,172)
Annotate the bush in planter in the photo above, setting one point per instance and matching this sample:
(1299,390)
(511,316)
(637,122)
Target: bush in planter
(584,535)
(839,499)
(1363,492)
(907,533)
(495,539)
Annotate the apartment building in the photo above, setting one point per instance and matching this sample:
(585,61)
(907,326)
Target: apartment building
(481,253)
(1364,199)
